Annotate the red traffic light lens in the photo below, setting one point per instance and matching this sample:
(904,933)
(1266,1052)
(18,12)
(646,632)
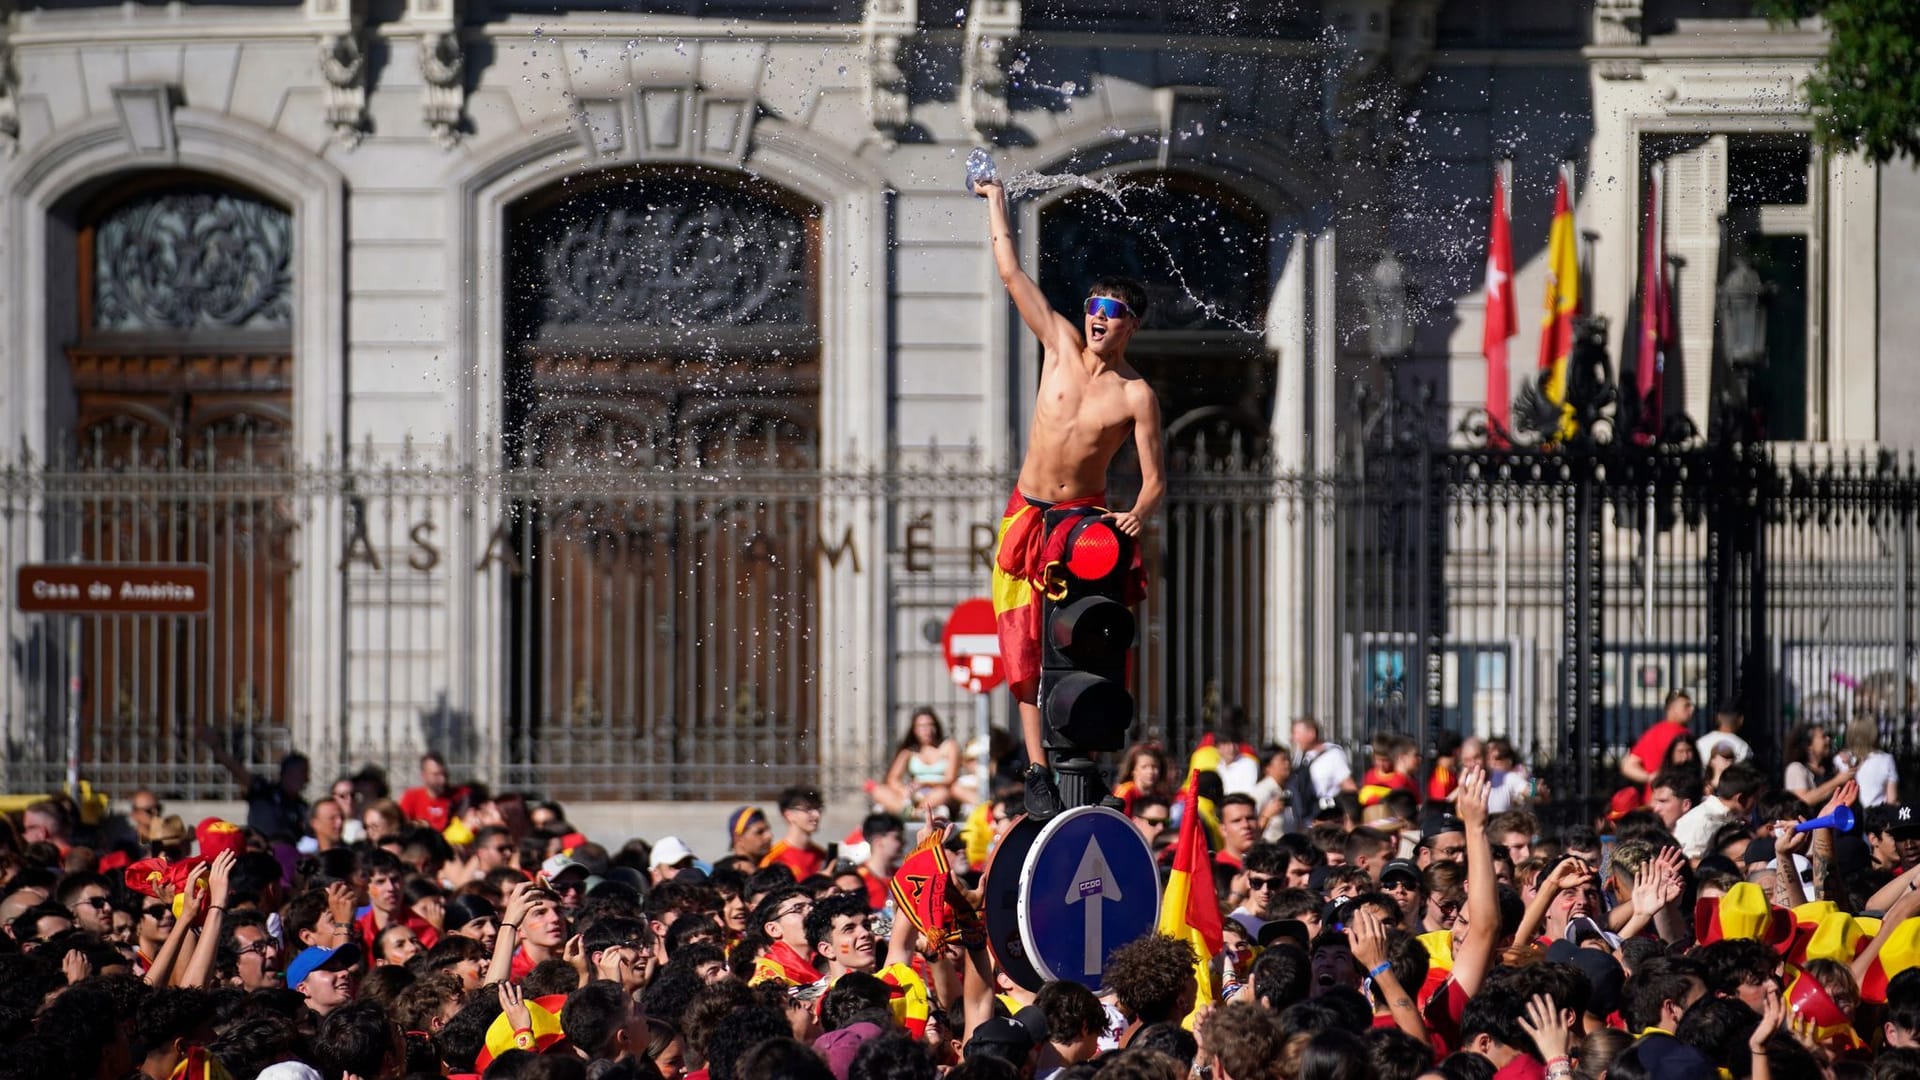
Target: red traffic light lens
(1094,552)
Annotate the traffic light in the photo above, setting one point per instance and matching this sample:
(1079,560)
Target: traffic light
(1085,632)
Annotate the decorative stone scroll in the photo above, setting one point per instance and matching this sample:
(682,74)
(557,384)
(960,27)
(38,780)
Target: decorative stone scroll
(991,27)
(9,87)
(192,259)
(886,28)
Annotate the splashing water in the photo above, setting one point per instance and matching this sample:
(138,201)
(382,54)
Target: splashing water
(1028,182)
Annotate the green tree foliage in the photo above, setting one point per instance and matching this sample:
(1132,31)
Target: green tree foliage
(1866,91)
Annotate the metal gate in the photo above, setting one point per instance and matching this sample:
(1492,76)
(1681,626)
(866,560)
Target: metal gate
(663,632)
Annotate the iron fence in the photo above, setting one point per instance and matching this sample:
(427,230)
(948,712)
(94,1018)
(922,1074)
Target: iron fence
(720,630)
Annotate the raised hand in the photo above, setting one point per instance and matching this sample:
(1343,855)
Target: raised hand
(75,966)
(1470,800)
(1788,842)
(340,902)
(574,952)
(1770,1019)
(1646,889)
(520,901)
(512,1004)
(1541,1019)
(1369,938)
(219,881)
(1570,874)
(196,893)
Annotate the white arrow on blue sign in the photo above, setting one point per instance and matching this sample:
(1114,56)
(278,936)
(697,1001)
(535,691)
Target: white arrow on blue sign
(1088,887)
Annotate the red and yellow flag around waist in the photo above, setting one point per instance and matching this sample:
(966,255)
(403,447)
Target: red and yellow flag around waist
(1563,302)
(1189,909)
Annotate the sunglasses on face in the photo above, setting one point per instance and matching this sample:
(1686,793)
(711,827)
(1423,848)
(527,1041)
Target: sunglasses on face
(156,912)
(150,808)
(1156,822)
(1258,883)
(1106,307)
(98,903)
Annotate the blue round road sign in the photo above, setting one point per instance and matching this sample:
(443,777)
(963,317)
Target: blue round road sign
(1088,887)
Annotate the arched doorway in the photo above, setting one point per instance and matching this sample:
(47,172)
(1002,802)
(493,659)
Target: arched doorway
(1203,251)
(662,422)
(173,436)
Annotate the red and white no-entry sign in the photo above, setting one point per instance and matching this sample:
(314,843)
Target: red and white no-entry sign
(972,646)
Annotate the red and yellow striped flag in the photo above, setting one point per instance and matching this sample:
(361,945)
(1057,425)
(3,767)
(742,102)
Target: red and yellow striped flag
(1190,909)
(1563,301)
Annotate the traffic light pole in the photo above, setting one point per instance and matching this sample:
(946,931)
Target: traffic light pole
(1080,783)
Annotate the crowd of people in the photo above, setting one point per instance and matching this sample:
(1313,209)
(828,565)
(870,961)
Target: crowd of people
(1401,916)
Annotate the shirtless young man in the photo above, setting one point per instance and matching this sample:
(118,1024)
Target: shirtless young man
(1090,398)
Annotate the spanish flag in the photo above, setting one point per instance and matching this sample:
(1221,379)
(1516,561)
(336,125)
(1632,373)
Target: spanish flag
(1563,302)
(1190,910)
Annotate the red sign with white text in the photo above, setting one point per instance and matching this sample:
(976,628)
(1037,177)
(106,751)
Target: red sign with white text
(114,588)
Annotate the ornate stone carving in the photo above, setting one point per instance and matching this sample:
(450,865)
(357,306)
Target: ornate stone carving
(190,259)
(9,86)
(991,27)
(343,61)
(1617,23)
(670,254)
(885,30)
(444,67)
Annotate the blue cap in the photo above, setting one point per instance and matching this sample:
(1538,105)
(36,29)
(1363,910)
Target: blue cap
(313,958)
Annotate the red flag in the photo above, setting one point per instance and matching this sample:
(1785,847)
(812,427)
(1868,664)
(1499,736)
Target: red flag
(1656,311)
(1499,322)
(1189,908)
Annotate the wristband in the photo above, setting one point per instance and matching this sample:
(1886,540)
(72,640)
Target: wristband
(509,926)
(1561,1058)
(1379,969)
(216,907)
(523,1038)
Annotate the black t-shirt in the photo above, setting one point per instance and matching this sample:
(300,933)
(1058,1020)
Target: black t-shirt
(275,813)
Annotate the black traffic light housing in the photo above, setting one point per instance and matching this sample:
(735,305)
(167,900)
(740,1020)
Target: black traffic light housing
(1086,632)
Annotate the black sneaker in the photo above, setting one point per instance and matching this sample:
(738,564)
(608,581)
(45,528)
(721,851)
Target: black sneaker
(1043,799)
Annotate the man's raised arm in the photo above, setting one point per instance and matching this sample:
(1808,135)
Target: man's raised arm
(1039,316)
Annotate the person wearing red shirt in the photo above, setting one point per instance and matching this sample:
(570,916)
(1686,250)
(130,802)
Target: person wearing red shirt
(431,802)
(387,904)
(885,837)
(800,808)
(1649,755)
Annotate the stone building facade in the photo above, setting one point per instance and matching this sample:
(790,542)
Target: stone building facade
(478,234)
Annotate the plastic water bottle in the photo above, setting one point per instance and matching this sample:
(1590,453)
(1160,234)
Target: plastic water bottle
(980,168)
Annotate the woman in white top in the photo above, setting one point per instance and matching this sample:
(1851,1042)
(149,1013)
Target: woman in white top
(1808,746)
(1874,769)
(924,767)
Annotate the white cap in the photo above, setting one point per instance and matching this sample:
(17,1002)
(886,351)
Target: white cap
(670,851)
(289,1070)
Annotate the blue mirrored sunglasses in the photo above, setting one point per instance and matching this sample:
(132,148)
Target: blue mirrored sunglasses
(1108,308)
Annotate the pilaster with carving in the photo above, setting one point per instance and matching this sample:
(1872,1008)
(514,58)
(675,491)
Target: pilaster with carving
(9,84)
(341,25)
(1618,25)
(991,27)
(885,30)
(443,66)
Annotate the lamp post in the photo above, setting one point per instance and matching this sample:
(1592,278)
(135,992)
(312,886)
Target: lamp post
(1742,315)
(1389,334)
